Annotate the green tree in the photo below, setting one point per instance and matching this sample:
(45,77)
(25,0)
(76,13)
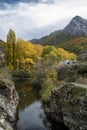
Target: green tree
(10,49)
(52,53)
(49,83)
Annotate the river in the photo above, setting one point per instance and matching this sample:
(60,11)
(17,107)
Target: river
(30,111)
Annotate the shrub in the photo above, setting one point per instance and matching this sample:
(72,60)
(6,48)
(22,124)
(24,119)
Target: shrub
(49,83)
(21,73)
(82,69)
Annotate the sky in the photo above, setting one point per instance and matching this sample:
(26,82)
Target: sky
(36,18)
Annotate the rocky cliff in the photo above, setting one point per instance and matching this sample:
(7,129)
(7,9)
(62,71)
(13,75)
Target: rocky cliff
(8,104)
(68,103)
(69,106)
(8,98)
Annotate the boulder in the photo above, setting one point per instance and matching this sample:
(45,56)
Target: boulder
(83,56)
(68,105)
(2,59)
(8,104)
(70,73)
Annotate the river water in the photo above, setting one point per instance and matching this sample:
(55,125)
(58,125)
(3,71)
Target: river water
(30,112)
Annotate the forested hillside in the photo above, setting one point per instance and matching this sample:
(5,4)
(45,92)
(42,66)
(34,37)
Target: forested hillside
(72,38)
(77,45)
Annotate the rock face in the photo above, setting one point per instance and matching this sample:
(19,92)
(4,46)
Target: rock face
(8,97)
(83,57)
(77,26)
(67,72)
(2,59)
(68,105)
(8,104)
(70,73)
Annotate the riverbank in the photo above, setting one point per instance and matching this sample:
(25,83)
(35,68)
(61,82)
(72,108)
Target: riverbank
(31,111)
(8,98)
(68,102)
(8,104)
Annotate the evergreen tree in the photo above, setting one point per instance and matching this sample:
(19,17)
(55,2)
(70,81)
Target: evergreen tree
(10,48)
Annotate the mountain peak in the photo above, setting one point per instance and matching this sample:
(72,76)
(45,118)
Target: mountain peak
(77,26)
(77,17)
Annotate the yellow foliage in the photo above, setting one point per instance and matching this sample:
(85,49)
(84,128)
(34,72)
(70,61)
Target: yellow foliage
(39,50)
(29,61)
(27,53)
(66,55)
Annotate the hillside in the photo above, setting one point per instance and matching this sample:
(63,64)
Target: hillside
(71,38)
(54,38)
(76,45)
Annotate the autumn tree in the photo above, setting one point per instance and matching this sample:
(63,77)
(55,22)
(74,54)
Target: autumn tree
(67,55)
(52,53)
(10,49)
(27,54)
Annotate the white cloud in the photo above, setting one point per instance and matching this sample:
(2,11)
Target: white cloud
(30,20)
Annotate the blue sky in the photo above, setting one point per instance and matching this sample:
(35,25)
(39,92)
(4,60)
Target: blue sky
(36,18)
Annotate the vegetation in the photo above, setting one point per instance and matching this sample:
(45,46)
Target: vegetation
(11,49)
(2,46)
(49,83)
(44,73)
(35,61)
(66,55)
(82,70)
(76,45)
(54,39)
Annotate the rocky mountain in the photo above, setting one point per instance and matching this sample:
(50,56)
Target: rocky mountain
(76,28)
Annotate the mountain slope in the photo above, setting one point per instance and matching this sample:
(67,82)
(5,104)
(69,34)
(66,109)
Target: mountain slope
(76,28)
(77,45)
(53,39)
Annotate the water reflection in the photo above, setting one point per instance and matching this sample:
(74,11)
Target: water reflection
(27,94)
(30,118)
(31,115)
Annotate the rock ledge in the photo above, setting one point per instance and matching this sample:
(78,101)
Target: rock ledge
(68,105)
(8,104)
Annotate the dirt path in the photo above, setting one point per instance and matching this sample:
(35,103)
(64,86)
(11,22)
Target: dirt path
(79,85)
